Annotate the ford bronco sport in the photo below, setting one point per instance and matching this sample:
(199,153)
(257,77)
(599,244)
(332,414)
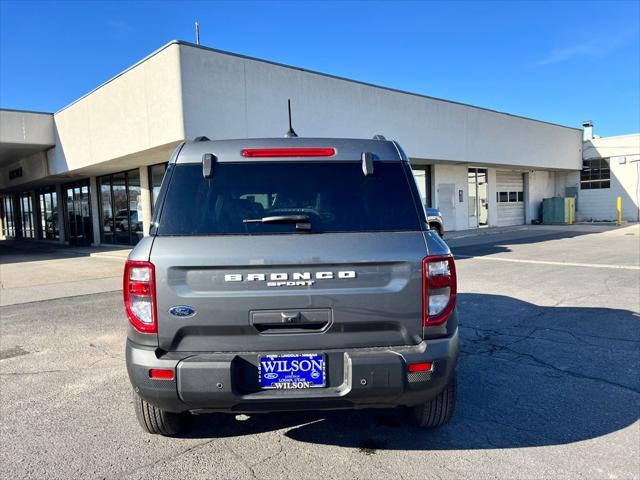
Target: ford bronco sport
(290,274)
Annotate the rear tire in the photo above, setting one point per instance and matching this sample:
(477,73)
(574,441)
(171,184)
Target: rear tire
(155,420)
(437,411)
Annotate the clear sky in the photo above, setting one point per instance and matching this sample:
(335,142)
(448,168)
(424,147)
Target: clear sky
(563,62)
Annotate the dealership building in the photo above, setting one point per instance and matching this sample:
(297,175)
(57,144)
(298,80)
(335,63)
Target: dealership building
(90,173)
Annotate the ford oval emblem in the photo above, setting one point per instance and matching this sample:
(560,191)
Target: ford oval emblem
(182,311)
(270,375)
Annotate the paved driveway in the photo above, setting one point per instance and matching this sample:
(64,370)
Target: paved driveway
(549,385)
(39,271)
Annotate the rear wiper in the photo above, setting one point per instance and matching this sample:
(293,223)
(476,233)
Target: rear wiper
(302,221)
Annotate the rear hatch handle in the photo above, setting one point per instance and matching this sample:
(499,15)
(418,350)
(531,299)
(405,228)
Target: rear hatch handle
(315,320)
(290,318)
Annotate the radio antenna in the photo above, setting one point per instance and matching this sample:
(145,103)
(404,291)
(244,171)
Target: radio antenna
(291,133)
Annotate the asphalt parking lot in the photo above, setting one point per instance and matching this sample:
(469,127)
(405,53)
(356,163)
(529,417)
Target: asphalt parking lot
(549,384)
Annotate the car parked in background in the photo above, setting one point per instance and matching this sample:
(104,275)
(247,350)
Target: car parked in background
(124,218)
(434,219)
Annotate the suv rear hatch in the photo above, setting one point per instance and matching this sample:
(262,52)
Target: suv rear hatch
(340,266)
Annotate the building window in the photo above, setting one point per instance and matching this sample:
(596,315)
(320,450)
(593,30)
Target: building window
(121,208)
(49,229)
(8,222)
(595,174)
(422,174)
(26,216)
(510,197)
(156,174)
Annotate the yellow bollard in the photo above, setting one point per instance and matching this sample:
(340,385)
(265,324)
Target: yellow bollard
(570,211)
(619,210)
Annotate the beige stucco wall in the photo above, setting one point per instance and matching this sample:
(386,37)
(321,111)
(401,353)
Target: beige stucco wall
(138,110)
(182,91)
(232,97)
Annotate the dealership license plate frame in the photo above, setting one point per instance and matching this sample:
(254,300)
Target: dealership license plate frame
(289,379)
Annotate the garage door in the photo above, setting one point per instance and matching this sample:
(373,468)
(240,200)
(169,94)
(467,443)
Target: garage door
(510,198)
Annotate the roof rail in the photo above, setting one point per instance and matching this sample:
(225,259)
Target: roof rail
(379,137)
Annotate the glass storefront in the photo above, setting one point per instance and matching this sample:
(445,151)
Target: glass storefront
(79,230)
(49,229)
(156,173)
(8,219)
(120,208)
(26,216)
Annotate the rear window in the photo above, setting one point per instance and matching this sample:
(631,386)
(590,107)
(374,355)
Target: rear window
(334,196)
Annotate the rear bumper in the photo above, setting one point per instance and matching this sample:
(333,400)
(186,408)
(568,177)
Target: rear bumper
(357,378)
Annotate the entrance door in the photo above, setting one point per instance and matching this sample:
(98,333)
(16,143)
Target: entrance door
(26,216)
(478,204)
(78,214)
(447,204)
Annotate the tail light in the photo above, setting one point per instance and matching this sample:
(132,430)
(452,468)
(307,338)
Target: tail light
(439,287)
(139,291)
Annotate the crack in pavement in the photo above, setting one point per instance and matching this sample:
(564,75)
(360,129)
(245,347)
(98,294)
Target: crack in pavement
(38,372)
(165,461)
(542,363)
(102,350)
(576,336)
(274,455)
(483,433)
(485,338)
(244,462)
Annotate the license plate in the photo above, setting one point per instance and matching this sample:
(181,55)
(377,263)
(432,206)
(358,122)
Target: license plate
(292,371)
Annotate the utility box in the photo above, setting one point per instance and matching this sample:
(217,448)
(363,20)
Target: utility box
(558,210)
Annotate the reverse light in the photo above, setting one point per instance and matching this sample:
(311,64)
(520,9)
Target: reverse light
(439,288)
(288,152)
(139,295)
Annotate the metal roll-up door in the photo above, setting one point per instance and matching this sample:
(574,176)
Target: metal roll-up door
(510,198)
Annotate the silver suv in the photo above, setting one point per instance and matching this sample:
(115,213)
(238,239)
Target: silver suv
(290,274)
